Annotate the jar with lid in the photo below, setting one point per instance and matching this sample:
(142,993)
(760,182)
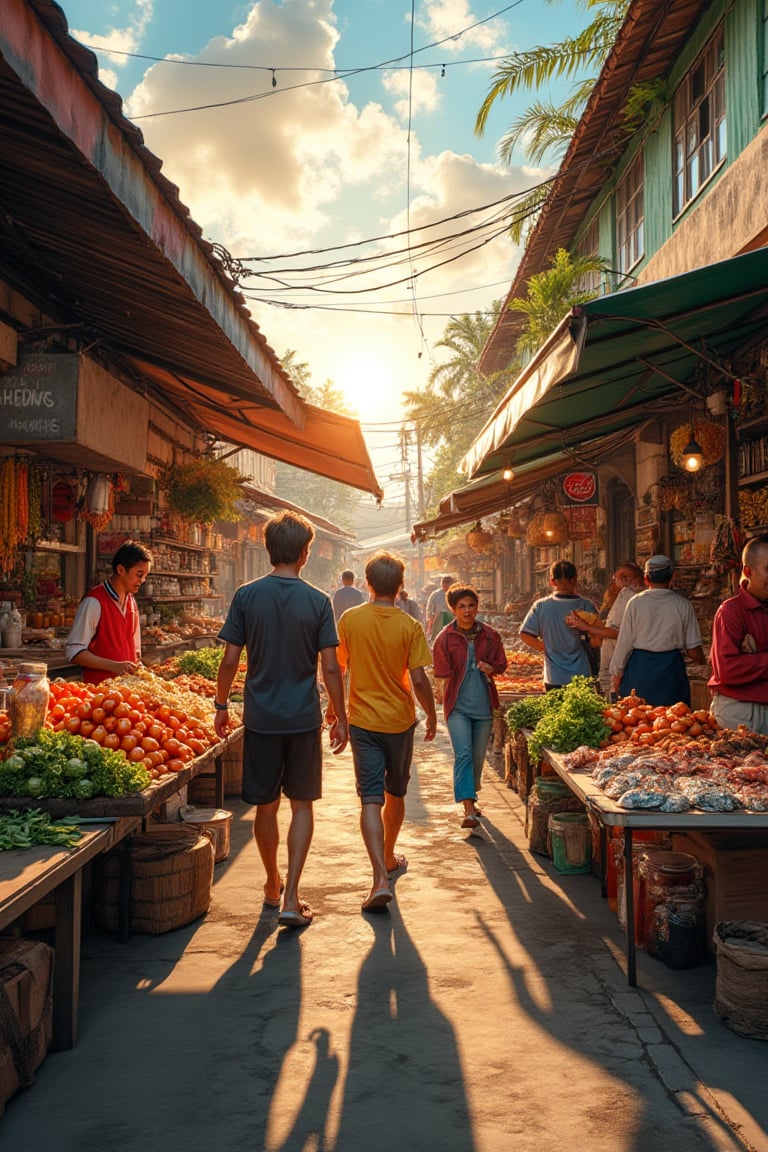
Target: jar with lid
(29,703)
(12,631)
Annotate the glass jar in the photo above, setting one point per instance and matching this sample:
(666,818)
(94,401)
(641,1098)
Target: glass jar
(29,703)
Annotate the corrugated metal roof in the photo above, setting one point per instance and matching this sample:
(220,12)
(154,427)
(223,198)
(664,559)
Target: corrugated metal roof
(648,43)
(96,236)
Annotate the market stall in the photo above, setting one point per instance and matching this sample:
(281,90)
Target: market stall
(610,814)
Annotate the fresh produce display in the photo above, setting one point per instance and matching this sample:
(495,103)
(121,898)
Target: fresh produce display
(528,712)
(518,685)
(576,718)
(524,659)
(59,764)
(632,719)
(204,662)
(25,829)
(197,671)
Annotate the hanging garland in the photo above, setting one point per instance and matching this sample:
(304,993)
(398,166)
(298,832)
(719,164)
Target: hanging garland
(709,436)
(204,490)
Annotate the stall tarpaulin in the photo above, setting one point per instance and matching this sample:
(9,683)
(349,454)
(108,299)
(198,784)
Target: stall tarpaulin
(611,361)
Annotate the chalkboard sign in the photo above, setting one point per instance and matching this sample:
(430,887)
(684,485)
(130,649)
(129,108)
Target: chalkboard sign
(38,398)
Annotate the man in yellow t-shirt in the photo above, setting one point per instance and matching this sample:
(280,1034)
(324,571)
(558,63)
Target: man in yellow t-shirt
(386,652)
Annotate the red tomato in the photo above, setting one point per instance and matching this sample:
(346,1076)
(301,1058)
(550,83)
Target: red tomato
(86,728)
(122,709)
(99,734)
(110,723)
(83,711)
(163,712)
(149,744)
(57,712)
(112,740)
(135,715)
(98,715)
(128,742)
(123,725)
(155,731)
(96,699)
(109,703)
(136,754)
(197,746)
(171,746)
(174,765)
(72,723)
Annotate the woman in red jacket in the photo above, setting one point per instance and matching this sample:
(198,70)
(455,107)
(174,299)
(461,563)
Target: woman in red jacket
(466,656)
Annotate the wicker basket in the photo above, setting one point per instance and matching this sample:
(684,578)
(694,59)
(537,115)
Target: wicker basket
(171,878)
(741,987)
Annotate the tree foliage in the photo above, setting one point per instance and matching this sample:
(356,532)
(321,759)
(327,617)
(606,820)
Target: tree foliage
(551,294)
(544,128)
(456,400)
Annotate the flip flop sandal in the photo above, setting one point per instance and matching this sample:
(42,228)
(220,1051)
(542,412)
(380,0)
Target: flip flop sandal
(296,917)
(401,865)
(273,901)
(377,900)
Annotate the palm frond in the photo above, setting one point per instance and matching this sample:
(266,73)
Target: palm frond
(541,129)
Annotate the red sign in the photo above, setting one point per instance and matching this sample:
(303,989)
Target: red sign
(580,488)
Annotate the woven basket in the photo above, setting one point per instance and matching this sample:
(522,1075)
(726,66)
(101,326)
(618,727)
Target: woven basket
(171,878)
(741,987)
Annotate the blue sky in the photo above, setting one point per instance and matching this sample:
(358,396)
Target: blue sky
(305,165)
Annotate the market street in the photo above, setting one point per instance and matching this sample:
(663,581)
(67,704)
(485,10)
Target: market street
(484,1011)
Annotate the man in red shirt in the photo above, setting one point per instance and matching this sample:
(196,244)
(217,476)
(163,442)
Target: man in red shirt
(739,654)
(105,638)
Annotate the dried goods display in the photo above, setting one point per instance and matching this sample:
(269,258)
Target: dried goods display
(687,762)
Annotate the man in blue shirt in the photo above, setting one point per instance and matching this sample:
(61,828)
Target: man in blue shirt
(545,630)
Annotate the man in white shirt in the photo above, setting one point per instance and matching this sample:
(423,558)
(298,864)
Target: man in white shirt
(659,625)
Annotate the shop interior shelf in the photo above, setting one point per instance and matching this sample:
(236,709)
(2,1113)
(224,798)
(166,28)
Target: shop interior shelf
(753,478)
(180,544)
(176,599)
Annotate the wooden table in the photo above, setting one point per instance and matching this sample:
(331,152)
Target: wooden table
(610,815)
(29,875)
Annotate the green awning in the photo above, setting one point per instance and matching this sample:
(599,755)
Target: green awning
(610,361)
(488,494)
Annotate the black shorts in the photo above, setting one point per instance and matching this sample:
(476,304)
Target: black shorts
(382,762)
(290,762)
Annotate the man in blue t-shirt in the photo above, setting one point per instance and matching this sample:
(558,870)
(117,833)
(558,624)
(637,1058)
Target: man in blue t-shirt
(346,595)
(283,623)
(545,630)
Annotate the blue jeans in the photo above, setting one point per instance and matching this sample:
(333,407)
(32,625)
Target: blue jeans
(469,738)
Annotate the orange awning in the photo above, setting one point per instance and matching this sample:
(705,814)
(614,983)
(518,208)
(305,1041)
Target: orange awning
(325,443)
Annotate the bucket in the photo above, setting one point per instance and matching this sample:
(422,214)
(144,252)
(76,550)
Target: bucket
(218,822)
(171,869)
(571,840)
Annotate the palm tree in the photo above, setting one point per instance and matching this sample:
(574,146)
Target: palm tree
(544,127)
(551,294)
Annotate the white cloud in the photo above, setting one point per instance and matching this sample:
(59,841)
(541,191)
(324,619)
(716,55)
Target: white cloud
(301,166)
(418,93)
(446,20)
(116,41)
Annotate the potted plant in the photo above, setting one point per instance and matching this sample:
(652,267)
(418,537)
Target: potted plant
(205,489)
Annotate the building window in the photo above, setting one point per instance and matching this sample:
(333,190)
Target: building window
(629,216)
(589,248)
(699,119)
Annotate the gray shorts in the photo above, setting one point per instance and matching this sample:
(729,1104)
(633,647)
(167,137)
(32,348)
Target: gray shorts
(382,762)
(290,762)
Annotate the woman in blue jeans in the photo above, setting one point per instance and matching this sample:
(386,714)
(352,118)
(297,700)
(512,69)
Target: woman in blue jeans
(466,656)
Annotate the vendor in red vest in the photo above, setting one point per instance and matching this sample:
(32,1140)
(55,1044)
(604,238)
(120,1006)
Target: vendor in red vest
(105,638)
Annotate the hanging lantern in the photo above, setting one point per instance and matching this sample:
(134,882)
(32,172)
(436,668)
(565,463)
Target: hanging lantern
(554,527)
(697,444)
(478,539)
(63,502)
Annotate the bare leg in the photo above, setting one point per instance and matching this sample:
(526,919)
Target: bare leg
(392,816)
(267,836)
(373,837)
(299,839)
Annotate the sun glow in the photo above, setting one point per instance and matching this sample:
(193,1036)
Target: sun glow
(365,381)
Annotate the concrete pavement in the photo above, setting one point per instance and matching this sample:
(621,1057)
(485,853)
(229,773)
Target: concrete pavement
(485,1011)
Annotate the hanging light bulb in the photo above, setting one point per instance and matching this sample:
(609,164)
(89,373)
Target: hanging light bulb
(508,473)
(693,457)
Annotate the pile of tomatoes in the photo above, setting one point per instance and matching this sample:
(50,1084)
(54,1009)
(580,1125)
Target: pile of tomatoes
(632,719)
(161,737)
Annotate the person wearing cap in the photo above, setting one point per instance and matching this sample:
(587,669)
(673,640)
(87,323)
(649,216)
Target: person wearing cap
(545,629)
(739,654)
(657,628)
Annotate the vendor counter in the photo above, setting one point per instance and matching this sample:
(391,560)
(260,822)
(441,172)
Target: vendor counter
(55,659)
(30,875)
(610,815)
